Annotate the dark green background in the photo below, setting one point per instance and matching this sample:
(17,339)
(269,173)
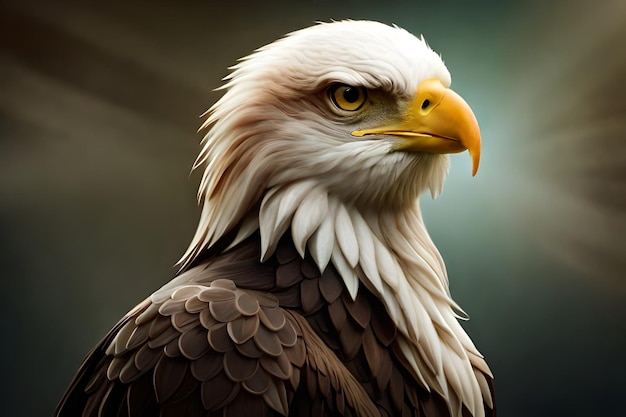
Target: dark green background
(99,106)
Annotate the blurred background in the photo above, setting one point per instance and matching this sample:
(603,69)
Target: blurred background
(99,107)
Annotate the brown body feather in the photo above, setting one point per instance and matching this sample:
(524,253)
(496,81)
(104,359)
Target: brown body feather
(235,337)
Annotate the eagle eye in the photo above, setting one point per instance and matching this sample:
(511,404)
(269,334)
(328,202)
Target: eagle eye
(347,97)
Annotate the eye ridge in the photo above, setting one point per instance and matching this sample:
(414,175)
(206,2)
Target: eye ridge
(347,97)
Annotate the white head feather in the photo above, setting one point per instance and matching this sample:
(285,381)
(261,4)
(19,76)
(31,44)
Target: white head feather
(279,155)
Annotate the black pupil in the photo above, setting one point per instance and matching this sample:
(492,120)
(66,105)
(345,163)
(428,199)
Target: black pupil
(351,94)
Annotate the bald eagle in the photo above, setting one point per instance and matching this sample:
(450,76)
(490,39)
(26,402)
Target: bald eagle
(311,287)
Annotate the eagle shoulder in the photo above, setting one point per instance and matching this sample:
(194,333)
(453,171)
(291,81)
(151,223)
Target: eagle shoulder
(213,348)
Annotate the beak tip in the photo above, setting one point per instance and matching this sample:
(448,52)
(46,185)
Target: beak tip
(475,162)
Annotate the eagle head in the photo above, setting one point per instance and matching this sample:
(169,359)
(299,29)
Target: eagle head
(358,108)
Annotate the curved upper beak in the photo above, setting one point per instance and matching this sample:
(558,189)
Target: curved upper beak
(438,120)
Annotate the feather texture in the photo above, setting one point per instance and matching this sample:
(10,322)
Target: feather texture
(311,286)
(308,217)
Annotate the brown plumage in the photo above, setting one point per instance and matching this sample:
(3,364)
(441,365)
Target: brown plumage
(217,346)
(303,294)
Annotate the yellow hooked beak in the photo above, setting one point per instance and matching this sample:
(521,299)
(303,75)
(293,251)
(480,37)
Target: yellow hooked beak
(438,120)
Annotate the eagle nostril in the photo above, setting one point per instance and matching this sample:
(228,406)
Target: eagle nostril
(425,104)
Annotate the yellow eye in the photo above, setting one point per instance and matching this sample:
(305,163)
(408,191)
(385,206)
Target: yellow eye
(347,97)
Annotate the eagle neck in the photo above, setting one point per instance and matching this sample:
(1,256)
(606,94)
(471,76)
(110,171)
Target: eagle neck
(441,354)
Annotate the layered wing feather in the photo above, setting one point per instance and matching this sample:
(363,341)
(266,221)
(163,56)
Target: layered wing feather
(206,350)
(212,348)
